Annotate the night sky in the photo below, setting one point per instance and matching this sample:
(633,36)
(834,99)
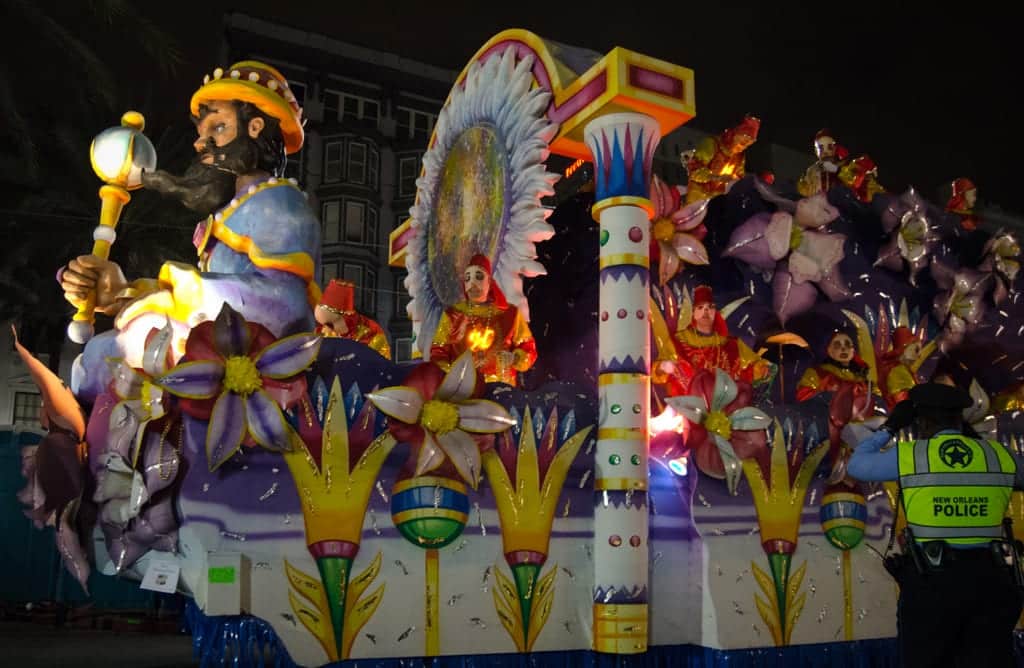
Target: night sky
(926,93)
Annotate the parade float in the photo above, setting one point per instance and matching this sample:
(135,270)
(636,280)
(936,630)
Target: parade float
(627,427)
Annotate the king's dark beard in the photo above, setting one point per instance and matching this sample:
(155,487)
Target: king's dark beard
(207,188)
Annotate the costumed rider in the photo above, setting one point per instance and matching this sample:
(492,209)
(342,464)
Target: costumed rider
(337,317)
(962,200)
(844,381)
(824,173)
(486,324)
(258,246)
(719,162)
(897,368)
(960,585)
(861,176)
(707,345)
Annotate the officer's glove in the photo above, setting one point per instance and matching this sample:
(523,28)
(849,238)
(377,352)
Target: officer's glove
(900,417)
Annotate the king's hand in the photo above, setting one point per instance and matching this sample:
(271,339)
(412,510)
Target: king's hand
(88,273)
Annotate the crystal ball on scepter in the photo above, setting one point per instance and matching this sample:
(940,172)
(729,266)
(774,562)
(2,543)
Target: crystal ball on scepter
(120,154)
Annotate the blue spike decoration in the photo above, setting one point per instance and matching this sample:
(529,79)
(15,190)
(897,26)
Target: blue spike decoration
(614,179)
(811,437)
(517,428)
(320,396)
(638,179)
(568,427)
(869,317)
(787,431)
(353,402)
(291,418)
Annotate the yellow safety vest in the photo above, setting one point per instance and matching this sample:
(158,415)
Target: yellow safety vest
(955,488)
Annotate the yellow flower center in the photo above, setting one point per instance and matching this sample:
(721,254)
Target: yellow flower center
(241,376)
(439,417)
(663,229)
(717,422)
(796,235)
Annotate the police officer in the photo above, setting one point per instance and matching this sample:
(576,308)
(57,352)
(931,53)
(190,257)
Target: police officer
(959,599)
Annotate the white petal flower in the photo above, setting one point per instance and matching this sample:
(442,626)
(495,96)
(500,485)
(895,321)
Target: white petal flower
(693,408)
(725,391)
(749,418)
(483,417)
(120,489)
(460,381)
(402,403)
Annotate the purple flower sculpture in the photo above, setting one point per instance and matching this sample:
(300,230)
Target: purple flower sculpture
(960,306)
(794,250)
(1001,258)
(236,376)
(912,236)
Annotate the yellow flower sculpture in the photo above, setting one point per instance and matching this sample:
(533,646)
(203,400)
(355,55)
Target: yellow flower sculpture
(779,503)
(527,481)
(334,496)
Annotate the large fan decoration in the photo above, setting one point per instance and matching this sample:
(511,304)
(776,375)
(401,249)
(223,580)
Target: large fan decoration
(480,189)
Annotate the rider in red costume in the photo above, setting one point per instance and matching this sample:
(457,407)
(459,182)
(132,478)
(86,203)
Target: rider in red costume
(718,162)
(486,324)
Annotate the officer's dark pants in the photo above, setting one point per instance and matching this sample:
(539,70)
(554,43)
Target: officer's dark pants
(962,615)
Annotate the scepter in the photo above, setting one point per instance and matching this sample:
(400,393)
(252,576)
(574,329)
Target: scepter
(118,155)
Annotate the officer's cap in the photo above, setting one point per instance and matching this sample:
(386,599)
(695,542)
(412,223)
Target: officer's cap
(939,396)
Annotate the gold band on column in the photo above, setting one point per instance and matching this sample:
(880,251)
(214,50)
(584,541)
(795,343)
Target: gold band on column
(620,484)
(622,200)
(620,628)
(615,260)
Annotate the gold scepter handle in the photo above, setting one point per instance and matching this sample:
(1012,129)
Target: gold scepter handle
(113,198)
(119,155)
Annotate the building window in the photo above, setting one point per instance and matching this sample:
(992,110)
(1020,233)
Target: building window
(403,349)
(355,222)
(371,227)
(408,170)
(357,108)
(370,293)
(403,119)
(332,161)
(293,167)
(298,89)
(422,126)
(414,124)
(331,219)
(350,107)
(328,271)
(332,105)
(371,111)
(353,272)
(357,162)
(373,169)
(402,298)
(26,408)
(365,280)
